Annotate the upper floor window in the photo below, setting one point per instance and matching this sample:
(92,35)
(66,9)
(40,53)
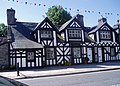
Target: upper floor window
(105,35)
(46,34)
(75,33)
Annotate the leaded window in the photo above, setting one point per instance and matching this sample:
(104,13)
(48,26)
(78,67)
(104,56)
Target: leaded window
(49,53)
(30,55)
(75,33)
(76,52)
(112,51)
(105,35)
(46,34)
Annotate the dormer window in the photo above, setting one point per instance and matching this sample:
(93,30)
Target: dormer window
(75,33)
(46,34)
(105,34)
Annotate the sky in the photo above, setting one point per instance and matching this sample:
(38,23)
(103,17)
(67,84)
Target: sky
(34,10)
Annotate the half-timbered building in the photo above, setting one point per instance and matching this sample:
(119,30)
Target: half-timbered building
(106,42)
(44,44)
(74,33)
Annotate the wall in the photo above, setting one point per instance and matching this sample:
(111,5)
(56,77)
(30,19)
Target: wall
(4,56)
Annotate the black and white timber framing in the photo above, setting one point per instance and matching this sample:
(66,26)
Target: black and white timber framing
(45,44)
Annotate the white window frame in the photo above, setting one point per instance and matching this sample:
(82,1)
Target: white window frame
(105,34)
(75,33)
(46,34)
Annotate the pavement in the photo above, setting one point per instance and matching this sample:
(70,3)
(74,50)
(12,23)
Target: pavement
(61,70)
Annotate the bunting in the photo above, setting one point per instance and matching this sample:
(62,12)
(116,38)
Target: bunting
(68,9)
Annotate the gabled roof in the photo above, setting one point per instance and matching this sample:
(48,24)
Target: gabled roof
(21,35)
(101,22)
(64,26)
(46,20)
(96,28)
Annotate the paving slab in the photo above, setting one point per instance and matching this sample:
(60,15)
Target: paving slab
(62,70)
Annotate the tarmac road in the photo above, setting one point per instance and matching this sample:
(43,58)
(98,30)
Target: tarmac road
(104,78)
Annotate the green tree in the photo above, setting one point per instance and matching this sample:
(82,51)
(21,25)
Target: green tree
(3,29)
(58,15)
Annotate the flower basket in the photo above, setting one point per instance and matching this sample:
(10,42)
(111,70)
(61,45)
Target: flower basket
(85,60)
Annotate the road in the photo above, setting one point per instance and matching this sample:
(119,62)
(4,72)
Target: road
(106,78)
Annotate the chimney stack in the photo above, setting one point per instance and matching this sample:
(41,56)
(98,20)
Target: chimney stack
(102,20)
(11,20)
(80,19)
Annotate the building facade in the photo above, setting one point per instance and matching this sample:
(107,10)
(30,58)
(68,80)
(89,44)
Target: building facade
(44,44)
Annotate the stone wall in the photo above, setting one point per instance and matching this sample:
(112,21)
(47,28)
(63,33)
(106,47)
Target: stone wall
(4,55)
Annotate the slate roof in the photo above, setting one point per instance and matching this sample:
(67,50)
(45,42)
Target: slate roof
(24,29)
(95,28)
(68,22)
(25,44)
(21,35)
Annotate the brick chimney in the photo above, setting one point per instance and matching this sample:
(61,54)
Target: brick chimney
(80,19)
(102,20)
(11,20)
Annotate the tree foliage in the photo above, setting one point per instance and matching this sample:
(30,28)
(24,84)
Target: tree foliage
(3,29)
(58,15)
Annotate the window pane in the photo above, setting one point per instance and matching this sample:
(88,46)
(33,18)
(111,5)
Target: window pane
(75,33)
(46,34)
(105,35)
(49,53)
(76,52)
(30,55)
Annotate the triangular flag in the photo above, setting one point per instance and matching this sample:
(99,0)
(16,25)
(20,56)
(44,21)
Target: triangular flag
(35,4)
(25,2)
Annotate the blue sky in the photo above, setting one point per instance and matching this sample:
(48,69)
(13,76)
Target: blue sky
(34,13)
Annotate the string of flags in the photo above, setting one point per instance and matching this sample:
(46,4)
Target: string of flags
(68,9)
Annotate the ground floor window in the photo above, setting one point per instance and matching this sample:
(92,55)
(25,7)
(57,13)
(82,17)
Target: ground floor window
(76,52)
(30,55)
(49,53)
(112,51)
